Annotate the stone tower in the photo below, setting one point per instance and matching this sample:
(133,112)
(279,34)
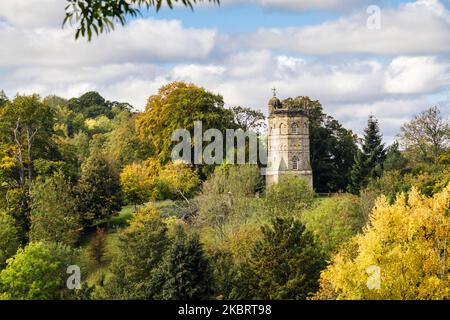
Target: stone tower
(288,143)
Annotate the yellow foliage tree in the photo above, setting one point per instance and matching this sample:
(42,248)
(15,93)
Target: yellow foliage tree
(403,253)
(139,181)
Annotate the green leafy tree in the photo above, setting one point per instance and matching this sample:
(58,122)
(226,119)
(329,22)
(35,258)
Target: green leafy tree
(285,263)
(249,119)
(394,158)
(369,161)
(142,246)
(38,272)
(100,15)
(9,238)
(98,190)
(54,214)
(185,269)
(91,105)
(426,136)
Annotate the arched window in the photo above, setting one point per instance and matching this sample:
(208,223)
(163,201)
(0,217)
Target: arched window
(295,163)
(294,129)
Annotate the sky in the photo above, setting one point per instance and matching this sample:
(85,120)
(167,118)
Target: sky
(323,49)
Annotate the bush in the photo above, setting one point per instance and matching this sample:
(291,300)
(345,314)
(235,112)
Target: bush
(291,195)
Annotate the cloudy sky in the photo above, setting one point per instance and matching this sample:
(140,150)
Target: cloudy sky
(319,48)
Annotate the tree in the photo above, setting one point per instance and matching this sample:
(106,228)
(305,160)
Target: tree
(335,220)
(38,272)
(178,181)
(91,105)
(3,98)
(100,15)
(98,190)
(185,269)
(407,242)
(394,158)
(9,238)
(333,148)
(177,106)
(292,194)
(138,184)
(26,130)
(426,136)
(369,161)
(249,119)
(141,250)
(98,245)
(285,263)
(27,123)
(54,215)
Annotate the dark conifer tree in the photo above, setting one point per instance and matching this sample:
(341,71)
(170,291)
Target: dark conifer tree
(186,270)
(369,161)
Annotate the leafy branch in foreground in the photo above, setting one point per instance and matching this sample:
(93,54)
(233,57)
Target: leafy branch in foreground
(99,16)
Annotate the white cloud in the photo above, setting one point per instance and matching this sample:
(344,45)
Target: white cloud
(299,5)
(409,75)
(421,27)
(139,41)
(32,13)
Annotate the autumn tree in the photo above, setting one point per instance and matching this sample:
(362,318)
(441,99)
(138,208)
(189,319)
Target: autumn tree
(178,181)
(426,136)
(138,183)
(177,106)
(402,254)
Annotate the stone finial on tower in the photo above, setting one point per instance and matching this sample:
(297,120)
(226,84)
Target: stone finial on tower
(274,102)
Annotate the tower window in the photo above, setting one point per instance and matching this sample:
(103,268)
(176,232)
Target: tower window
(295,163)
(294,129)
